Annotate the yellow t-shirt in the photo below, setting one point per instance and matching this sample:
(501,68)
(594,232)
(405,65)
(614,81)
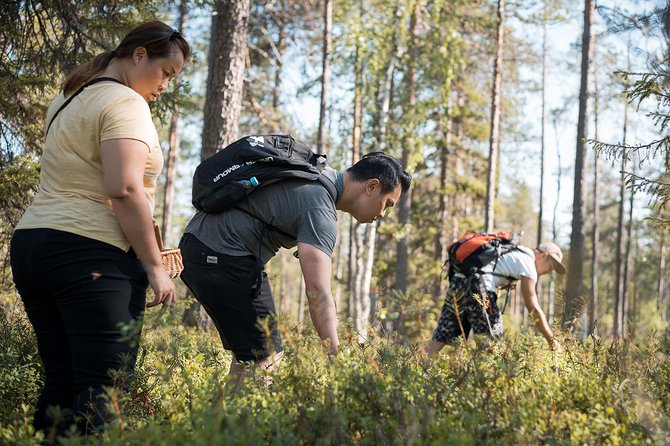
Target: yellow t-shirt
(71,195)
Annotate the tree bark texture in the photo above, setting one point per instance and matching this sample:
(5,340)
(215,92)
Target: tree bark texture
(227,51)
(573,292)
(355,156)
(223,99)
(322,136)
(627,261)
(494,137)
(540,213)
(595,232)
(405,202)
(173,147)
(662,298)
(620,296)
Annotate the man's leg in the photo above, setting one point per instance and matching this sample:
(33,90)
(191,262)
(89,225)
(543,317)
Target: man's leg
(239,371)
(451,324)
(485,316)
(236,294)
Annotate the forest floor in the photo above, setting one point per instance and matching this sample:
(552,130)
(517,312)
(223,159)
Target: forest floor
(510,392)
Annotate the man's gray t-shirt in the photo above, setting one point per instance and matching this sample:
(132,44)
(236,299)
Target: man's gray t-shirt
(302,208)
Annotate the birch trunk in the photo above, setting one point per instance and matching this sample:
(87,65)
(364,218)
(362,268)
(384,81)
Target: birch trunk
(494,138)
(322,136)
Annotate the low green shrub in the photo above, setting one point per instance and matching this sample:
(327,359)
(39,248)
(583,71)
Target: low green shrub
(513,391)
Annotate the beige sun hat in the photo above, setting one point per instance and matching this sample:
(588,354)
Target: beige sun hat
(556,255)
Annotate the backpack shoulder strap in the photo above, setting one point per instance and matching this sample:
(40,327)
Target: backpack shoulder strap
(87,84)
(328,178)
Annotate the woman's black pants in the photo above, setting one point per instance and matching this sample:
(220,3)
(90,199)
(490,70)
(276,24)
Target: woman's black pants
(84,299)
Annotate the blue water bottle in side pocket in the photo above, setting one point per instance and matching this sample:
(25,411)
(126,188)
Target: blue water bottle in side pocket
(249,184)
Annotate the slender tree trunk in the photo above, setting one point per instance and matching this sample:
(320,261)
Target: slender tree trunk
(355,156)
(281,50)
(457,201)
(494,138)
(595,232)
(627,260)
(554,228)
(635,288)
(284,296)
(573,292)
(302,301)
(173,147)
(339,263)
(363,318)
(322,136)
(540,214)
(223,101)
(228,46)
(620,296)
(442,238)
(662,305)
(402,245)
(386,90)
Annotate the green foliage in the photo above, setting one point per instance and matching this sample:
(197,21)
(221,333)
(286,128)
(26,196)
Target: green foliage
(41,41)
(20,370)
(642,88)
(381,392)
(18,180)
(19,176)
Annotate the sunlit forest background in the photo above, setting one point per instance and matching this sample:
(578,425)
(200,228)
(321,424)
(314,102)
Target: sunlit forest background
(546,118)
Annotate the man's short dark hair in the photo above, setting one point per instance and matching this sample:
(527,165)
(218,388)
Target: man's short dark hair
(385,168)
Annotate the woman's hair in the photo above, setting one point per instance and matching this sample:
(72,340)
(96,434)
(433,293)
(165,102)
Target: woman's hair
(385,168)
(159,39)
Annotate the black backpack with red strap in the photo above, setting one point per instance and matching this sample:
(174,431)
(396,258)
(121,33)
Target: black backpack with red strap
(474,250)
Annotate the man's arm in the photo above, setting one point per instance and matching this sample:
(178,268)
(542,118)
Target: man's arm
(316,268)
(530,300)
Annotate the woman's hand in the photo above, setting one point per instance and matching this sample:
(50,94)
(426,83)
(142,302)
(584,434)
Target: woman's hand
(163,286)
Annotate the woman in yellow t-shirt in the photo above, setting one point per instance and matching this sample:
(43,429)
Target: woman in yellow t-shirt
(84,251)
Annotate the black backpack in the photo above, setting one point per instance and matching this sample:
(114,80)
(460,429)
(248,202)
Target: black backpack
(253,162)
(474,250)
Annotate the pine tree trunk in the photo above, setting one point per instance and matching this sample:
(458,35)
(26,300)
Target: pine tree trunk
(494,138)
(173,149)
(662,299)
(554,228)
(620,296)
(405,202)
(322,136)
(573,292)
(457,201)
(540,214)
(276,89)
(442,238)
(627,260)
(225,83)
(302,301)
(386,92)
(595,232)
(355,156)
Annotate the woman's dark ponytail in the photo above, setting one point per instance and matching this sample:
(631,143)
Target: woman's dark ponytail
(87,72)
(159,39)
